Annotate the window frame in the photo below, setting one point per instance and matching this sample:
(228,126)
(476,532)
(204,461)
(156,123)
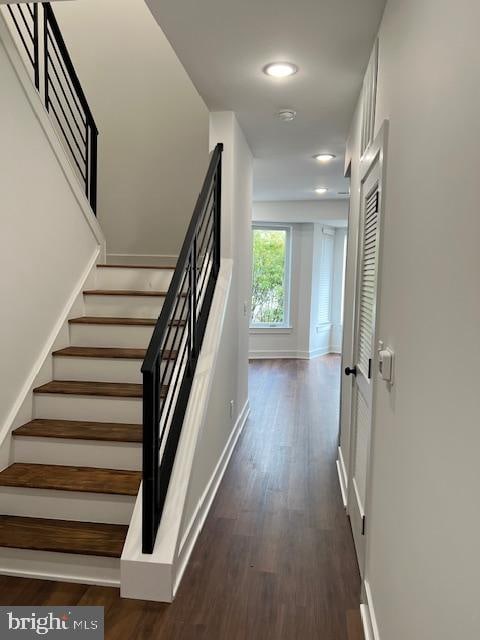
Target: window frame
(286,324)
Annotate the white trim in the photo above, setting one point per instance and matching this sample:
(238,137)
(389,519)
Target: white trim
(267,354)
(258,330)
(142,258)
(62,567)
(201,512)
(50,133)
(340,480)
(369,619)
(342,476)
(47,348)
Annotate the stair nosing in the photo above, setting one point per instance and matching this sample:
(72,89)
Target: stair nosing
(101,353)
(134,293)
(50,486)
(116,321)
(12,542)
(45,426)
(136,266)
(46,389)
(108,353)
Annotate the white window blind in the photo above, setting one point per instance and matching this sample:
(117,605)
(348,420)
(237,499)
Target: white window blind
(368,282)
(325,279)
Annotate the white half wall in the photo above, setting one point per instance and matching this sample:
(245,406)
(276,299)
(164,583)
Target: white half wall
(50,236)
(153,125)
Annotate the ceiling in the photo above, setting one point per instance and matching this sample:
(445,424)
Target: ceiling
(224,45)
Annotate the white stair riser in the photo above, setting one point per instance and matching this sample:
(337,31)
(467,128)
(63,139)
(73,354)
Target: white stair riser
(66,505)
(99,335)
(136,279)
(123,306)
(78,453)
(98,409)
(98,369)
(65,567)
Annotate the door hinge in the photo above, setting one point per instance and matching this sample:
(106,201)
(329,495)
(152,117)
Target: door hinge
(369,368)
(363,525)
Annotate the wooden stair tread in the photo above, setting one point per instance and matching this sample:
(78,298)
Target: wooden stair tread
(78,430)
(64,536)
(105,389)
(65,478)
(82,388)
(109,352)
(126,292)
(136,266)
(134,322)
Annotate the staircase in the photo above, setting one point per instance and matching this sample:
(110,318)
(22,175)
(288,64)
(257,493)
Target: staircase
(68,497)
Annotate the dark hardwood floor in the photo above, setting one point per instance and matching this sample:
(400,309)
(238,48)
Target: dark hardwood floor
(275,560)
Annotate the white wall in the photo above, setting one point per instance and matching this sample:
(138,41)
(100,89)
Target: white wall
(49,235)
(153,143)
(423,520)
(331,212)
(237,180)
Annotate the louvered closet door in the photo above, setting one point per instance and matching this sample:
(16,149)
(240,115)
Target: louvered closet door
(365,314)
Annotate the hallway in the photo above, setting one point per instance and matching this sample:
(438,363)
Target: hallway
(275,559)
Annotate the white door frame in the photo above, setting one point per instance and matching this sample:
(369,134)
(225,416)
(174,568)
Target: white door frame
(375,153)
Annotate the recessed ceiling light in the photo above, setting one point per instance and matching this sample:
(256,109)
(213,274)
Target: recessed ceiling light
(324,157)
(321,190)
(287,115)
(280,69)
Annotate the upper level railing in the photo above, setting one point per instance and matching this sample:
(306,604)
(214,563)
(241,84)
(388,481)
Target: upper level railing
(171,358)
(54,76)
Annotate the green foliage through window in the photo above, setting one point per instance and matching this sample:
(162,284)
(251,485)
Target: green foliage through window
(269,273)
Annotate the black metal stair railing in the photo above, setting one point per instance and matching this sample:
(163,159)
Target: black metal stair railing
(171,358)
(57,82)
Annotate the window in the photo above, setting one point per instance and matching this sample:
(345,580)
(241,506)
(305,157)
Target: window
(270,276)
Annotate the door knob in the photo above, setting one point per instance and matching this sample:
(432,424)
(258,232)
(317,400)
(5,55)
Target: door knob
(351,371)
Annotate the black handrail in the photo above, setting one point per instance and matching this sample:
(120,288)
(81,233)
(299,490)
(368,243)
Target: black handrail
(60,89)
(171,358)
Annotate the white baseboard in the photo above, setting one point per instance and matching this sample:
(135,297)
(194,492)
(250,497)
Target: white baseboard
(276,355)
(286,354)
(342,476)
(342,488)
(198,519)
(369,620)
(142,258)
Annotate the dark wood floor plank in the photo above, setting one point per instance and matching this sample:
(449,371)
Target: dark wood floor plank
(275,559)
(63,536)
(65,478)
(78,430)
